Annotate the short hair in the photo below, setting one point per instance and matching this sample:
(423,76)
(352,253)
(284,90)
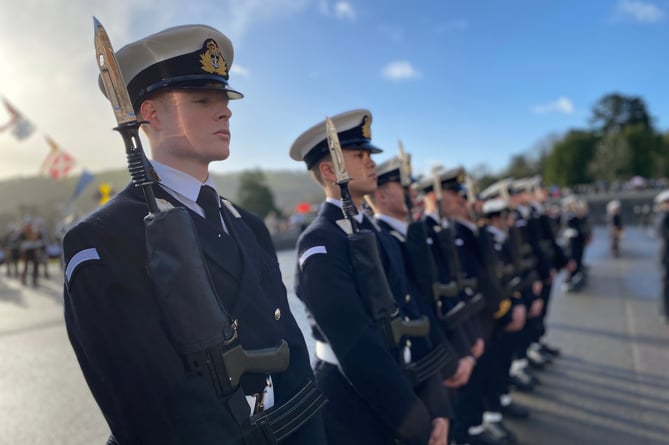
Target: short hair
(315,169)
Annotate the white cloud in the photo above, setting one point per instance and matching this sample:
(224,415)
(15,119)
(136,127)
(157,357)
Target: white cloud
(561,105)
(637,11)
(239,70)
(344,10)
(400,70)
(340,9)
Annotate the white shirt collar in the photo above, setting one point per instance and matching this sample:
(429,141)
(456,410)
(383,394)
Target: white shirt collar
(524,210)
(182,186)
(397,224)
(500,235)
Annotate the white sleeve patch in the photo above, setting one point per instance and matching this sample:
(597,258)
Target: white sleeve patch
(79,258)
(309,252)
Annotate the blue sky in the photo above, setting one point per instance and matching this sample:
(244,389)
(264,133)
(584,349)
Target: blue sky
(460,82)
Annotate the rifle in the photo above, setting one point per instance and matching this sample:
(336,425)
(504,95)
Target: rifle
(461,311)
(200,326)
(367,268)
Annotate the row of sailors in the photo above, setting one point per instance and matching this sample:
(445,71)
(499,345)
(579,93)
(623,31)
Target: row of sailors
(180,319)
(479,283)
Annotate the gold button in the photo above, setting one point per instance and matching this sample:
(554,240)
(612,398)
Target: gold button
(277,314)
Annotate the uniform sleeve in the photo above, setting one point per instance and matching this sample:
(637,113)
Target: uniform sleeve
(136,376)
(325,284)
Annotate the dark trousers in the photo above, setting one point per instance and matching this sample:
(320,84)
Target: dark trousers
(501,347)
(470,402)
(30,258)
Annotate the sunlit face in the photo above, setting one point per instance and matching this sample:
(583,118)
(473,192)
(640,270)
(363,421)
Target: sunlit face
(361,169)
(194,125)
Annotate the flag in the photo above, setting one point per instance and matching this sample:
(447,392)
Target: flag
(58,162)
(20,126)
(85,178)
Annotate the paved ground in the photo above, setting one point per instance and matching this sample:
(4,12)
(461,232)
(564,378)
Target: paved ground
(610,386)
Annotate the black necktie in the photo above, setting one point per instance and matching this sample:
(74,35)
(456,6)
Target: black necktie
(209,200)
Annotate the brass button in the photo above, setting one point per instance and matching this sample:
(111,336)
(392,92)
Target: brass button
(407,298)
(277,314)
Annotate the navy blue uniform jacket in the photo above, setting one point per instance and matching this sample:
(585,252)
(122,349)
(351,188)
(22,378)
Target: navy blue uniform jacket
(115,326)
(370,400)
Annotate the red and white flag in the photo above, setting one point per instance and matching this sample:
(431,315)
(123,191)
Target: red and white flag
(58,162)
(20,126)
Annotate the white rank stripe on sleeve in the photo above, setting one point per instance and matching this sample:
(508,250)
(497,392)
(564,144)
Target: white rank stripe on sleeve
(309,252)
(79,258)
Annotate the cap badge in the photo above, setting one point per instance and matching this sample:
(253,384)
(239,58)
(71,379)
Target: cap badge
(366,127)
(212,60)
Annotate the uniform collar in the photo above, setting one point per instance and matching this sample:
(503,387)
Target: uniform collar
(182,186)
(399,225)
(500,235)
(523,210)
(470,225)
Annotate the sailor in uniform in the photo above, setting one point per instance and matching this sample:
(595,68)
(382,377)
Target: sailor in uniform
(371,400)
(119,325)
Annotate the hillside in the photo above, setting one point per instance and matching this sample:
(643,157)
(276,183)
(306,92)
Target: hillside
(36,195)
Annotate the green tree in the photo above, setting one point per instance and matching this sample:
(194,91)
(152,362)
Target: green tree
(647,151)
(521,167)
(613,158)
(254,194)
(661,157)
(615,111)
(567,163)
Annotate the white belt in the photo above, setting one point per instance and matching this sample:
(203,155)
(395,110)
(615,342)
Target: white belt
(325,353)
(267,397)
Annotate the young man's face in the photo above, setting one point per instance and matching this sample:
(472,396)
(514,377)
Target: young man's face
(452,203)
(194,124)
(361,170)
(390,200)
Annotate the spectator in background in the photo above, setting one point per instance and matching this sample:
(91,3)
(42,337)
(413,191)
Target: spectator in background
(10,243)
(30,247)
(615,223)
(662,200)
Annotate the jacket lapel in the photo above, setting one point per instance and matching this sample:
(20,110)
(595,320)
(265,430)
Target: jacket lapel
(251,255)
(210,242)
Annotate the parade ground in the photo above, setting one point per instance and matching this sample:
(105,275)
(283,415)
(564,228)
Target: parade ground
(609,386)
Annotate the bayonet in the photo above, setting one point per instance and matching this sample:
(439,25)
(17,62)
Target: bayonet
(405,166)
(112,77)
(140,168)
(341,174)
(336,153)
